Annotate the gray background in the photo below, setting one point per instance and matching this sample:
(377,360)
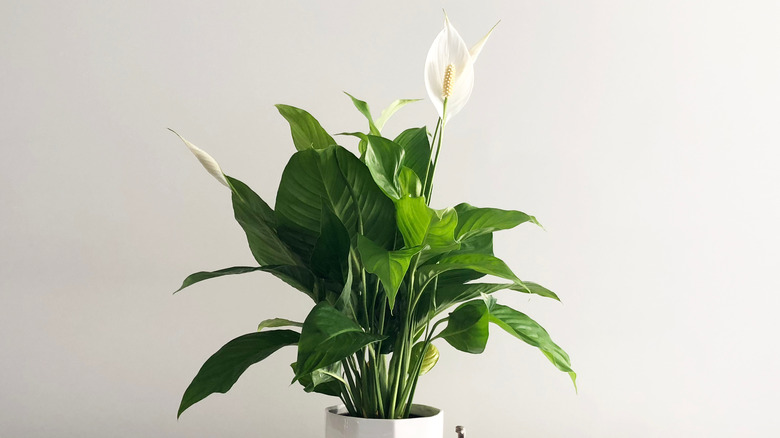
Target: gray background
(642,134)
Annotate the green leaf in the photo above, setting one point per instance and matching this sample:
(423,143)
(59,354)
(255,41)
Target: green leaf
(390,110)
(482,263)
(328,337)
(296,276)
(278,322)
(323,380)
(363,108)
(529,331)
(473,221)
(383,159)
(389,266)
(307,133)
(362,145)
(422,225)
(339,178)
(223,369)
(417,150)
(449,294)
(429,360)
(409,183)
(205,275)
(467,327)
(259,223)
(331,251)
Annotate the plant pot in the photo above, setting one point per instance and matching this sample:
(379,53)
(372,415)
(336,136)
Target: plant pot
(428,422)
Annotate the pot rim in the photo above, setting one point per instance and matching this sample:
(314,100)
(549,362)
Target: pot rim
(424,413)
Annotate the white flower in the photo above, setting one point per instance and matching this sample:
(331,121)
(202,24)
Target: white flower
(449,69)
(206,160)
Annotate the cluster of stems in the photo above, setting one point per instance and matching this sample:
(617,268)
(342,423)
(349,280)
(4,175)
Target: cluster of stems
(376,385)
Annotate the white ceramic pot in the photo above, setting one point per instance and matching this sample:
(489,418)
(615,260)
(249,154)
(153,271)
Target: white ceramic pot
(428,422)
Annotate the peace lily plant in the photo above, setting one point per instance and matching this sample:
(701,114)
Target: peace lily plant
(356,233)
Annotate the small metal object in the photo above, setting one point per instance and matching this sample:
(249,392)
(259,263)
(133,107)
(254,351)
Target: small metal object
(461,431)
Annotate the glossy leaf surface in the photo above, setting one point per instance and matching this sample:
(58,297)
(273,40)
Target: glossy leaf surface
(474,221)
(384,158)
(307,133)
(328,336)
(336,178)
(526,329)
(258,221)
(467,328)
(389,266)
(224,367)
(417,150)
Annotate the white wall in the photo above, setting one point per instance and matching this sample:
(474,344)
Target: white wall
(643,134)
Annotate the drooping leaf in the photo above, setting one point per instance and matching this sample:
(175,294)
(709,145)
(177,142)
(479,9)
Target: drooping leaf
(529,331)
(205,275)
(467,327)
(259,223)
(389,266)
(278,322)
(474,221)
(363,108)
(297,276)
(383,159)
(307,133)
(417,151)
(224,367)
(430,358)
(390,110)
(328,336)
(344,182)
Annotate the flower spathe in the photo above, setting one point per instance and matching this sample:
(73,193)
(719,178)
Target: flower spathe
(208,162)
(449,70)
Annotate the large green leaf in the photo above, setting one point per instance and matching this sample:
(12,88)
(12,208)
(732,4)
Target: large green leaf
(223,369)
(328,337)
(417,148)
(467,327)
(307,133)
(474,221)
(422,225)
(390,110)
(259,223)
(526,329)
(345,184)
(383,159)
(389,266)
(363,108)
(330,255)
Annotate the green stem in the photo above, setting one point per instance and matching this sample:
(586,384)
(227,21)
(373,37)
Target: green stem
(438,150)
(428,167)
